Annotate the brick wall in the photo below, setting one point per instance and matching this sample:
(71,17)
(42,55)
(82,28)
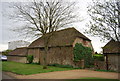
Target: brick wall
(84,42)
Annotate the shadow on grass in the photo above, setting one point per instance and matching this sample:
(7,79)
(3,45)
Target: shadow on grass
(92,79)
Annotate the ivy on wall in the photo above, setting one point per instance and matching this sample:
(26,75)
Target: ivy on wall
(81,52)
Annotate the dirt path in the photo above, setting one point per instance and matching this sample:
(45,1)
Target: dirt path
(71,74)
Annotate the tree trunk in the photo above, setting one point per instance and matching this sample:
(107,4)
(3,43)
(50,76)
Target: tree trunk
(45,58)
(46,41)
(46,52)
(39,57)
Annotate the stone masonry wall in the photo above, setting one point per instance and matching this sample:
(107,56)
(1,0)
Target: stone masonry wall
(113,61)
(17,59)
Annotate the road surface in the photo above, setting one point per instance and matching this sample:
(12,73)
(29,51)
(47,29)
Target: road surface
(6,76)
(71,74)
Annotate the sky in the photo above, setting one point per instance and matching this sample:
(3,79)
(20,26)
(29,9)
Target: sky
(6,24)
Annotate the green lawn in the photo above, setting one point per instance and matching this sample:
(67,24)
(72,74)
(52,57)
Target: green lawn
(27,69)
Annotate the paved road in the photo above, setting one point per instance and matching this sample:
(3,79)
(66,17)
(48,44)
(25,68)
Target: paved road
(6,76)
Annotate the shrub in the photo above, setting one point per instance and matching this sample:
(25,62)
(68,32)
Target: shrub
(6,52)
(65,66)
(81,52)
(62,66)
(98,57)
(30,58)
(104,70)
(35,63)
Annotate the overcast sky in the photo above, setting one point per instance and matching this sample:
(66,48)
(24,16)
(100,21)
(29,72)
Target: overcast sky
(5,24)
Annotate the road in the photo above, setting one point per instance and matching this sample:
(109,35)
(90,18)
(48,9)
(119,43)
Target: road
(6,76)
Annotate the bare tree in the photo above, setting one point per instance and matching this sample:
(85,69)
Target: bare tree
(45,17)
(105,19)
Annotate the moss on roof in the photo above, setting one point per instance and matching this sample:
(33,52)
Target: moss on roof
(60,38)
(112,47)
(19,51)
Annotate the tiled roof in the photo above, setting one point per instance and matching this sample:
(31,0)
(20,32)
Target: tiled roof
(112,47)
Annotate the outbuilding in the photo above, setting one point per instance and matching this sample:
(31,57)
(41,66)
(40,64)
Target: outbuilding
(112,53)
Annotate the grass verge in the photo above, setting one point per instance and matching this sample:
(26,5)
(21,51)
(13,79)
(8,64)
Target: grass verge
(27,69)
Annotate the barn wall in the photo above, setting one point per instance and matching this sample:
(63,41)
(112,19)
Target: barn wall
(17,59)
(56,55)
(113,61)
(84,42)
(61,55)
(35,53)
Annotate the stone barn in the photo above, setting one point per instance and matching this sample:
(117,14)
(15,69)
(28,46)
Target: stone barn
(61,45)
(112,53)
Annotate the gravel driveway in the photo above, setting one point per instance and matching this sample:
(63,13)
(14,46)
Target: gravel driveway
(71,74)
